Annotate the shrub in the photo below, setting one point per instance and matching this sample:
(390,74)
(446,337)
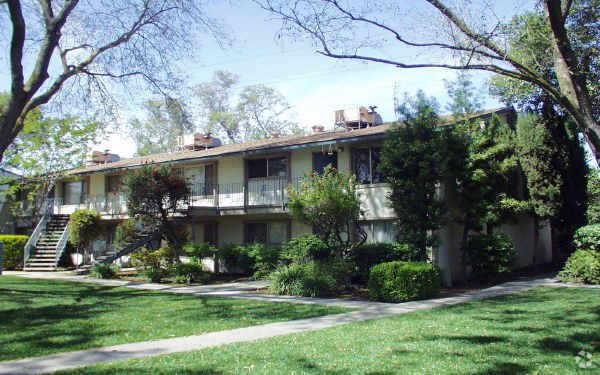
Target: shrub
(587,238)
(124,232)
(155,275)
(13,251)
(235,257)
(84,226)
(200,250)
(582,266)
(154,264)
(303,279)
(191,273)
(404,281)
(104,271)
(305,248)
(264,259)
(368,255)
(490,255)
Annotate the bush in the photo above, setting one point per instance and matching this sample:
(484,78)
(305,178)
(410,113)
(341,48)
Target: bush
(199,250)
(368,255)
(235,257)
(155,275)
(154,264)
(105,271)
(13,250)
(191,273)
(587,238)
(490,255)
(305,248)
(84,226)
(404,281)
(264,259)
(303,279)
(583,266)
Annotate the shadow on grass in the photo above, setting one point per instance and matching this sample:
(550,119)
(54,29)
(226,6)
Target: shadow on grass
(39,317)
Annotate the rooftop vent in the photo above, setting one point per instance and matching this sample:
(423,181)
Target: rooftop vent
(318,129)
(357,117)
(98,157)
(198,141)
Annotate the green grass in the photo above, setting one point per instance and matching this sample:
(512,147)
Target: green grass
(535,332)
(39,317)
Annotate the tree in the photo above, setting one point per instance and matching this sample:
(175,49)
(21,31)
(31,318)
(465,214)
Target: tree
(165,121)
(553,161)
(351,30)
(45,148)
(329,202)
(156,194)
(260,110)
(417,157)
(74,50)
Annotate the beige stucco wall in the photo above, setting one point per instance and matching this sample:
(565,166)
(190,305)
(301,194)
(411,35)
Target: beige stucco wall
(97,182)
(230,170)
(374,202)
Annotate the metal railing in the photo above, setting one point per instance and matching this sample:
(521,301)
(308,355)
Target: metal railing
(46,211)
(257,192)
(62,244)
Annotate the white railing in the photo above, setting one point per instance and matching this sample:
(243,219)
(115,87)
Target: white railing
(46,211)
(62,244)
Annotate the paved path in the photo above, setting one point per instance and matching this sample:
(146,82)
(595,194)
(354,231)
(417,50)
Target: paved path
(370,310)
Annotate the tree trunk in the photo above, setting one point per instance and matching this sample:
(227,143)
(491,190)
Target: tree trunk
(572,82)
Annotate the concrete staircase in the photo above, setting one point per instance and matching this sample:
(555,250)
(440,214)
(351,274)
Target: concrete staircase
(43,257)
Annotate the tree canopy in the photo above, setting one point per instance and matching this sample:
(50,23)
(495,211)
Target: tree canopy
(464,35)
(71,52)
(258,111)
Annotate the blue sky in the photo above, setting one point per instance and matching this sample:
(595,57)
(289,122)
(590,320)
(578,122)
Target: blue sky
(314,85)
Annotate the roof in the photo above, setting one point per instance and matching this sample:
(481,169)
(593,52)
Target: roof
(261,146)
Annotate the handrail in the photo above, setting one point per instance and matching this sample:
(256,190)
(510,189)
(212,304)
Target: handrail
(46,211)
(62,244)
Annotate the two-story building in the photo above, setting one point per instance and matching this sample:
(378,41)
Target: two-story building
(239,190)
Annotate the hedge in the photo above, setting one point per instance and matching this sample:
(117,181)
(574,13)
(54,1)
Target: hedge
(13,250)
(370,254)
(404,281)
(583,266)
(587,237)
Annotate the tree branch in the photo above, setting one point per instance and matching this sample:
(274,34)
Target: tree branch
(16,46)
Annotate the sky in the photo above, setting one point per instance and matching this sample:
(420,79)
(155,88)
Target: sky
(314,85)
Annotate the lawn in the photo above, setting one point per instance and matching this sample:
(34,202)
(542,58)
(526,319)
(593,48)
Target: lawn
(535,332)
(39,317)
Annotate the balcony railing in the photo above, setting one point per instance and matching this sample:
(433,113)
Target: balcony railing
(263,192)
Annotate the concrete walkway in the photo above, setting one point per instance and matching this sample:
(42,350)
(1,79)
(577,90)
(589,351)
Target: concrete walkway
(370,310)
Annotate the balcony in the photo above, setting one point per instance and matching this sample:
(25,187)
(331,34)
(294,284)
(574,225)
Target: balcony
(267,192)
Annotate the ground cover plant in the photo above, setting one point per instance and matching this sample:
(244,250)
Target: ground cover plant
(39,317)
(535,332)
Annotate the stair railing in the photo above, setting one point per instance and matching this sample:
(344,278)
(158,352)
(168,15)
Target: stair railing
(46,211)
(62,244)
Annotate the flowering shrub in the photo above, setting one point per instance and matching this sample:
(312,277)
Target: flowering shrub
(329,203)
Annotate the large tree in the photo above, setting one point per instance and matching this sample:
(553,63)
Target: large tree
(165,121)
(45,148)
(257,112)
(74,50)
(470,34)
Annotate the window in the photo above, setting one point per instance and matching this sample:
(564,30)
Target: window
(271,233)
(323,159)
(113,183)
(210,233)
(273,167)
(73,192)
(379,231)
(364,164)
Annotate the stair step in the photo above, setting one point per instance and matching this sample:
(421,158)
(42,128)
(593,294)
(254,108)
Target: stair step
(39,269)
